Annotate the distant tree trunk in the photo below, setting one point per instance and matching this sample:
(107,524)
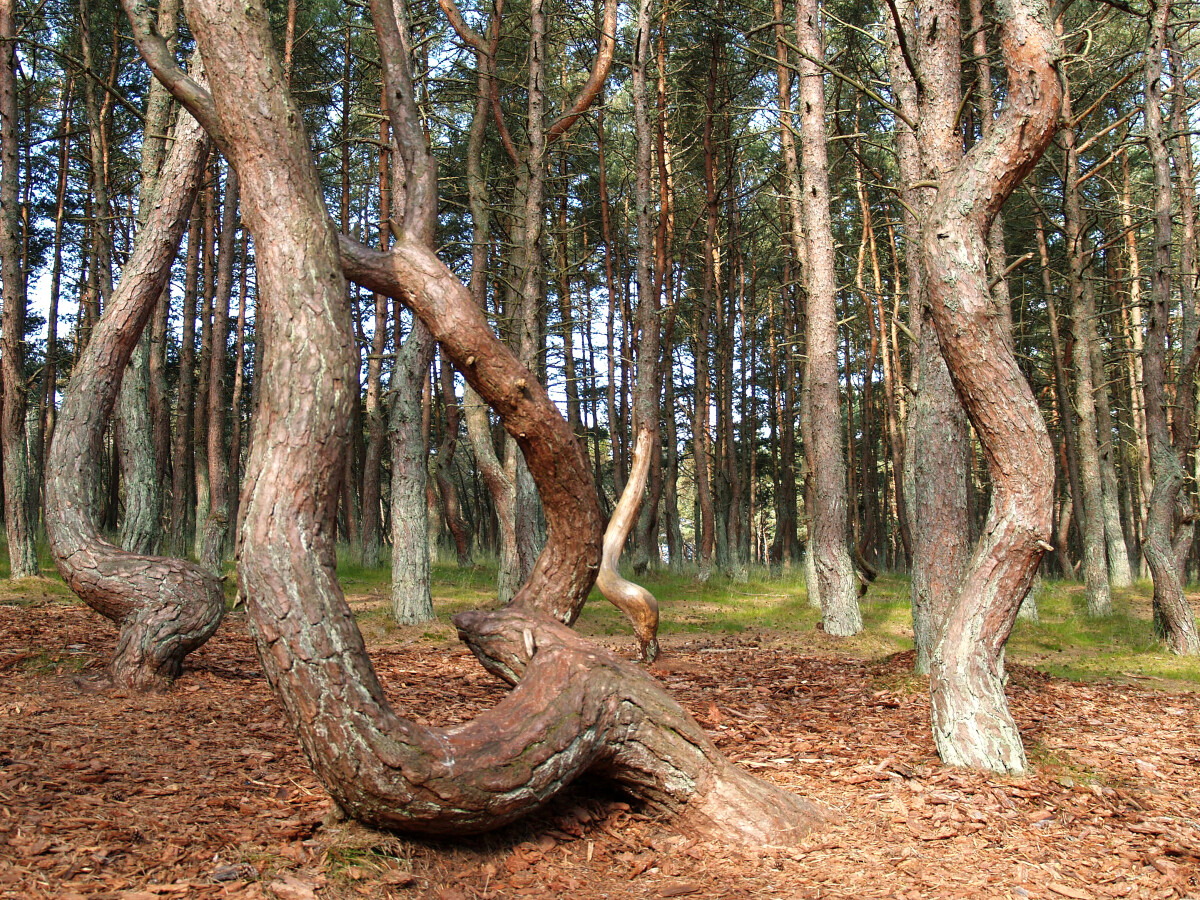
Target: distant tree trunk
(444,472)
(216,524)
(141,526)
(207,301)
(166,608)
(1083,329)
(1166,546)
(837,583)
(1135,330)
(50,377)
(1062,395)
(235,400)
(183,445)
(18,485)
(372,518)
(634,600)
(701,452)
(412,602)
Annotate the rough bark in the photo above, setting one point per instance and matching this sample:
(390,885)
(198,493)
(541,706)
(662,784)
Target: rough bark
(575,708)
(165,608)
(836,580)
(19,527)
(972,725)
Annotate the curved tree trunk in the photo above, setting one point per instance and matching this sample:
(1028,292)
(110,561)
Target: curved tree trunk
(577,707)
(972,725)
(140,464)
(165,608)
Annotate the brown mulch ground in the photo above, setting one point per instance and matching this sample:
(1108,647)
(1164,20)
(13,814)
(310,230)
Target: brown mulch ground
(202,792)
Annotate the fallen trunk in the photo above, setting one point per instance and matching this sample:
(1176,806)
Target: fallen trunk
(165,608)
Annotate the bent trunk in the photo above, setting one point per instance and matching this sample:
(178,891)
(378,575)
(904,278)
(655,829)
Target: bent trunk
(166,608)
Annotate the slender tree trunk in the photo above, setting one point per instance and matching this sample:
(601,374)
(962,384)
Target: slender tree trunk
(836,581)
(18,485)
(49,399)
(372,519)
(634,600)
(1166,546)
(216,524)
(1083,329)
(207,301)
(183,446)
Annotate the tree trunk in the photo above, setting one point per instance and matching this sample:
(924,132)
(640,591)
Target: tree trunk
(972,725)
(183,446)
(836,580)
(412,602)
(18,485)
(166,608)
(634,600)
(1166,546)
(216,524)
(1083,330)
(938,443)
(141,526)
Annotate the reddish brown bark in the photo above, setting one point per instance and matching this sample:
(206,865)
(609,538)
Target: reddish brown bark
(165,607)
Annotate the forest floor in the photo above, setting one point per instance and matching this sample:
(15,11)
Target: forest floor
(203,792)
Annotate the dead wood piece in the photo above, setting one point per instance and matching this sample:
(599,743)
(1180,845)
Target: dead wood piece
(166,608)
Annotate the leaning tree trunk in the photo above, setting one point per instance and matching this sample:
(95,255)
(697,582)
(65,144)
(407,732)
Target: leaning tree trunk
(576,707)
(18,484)
(166,608)
(972,725)
(142,524)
